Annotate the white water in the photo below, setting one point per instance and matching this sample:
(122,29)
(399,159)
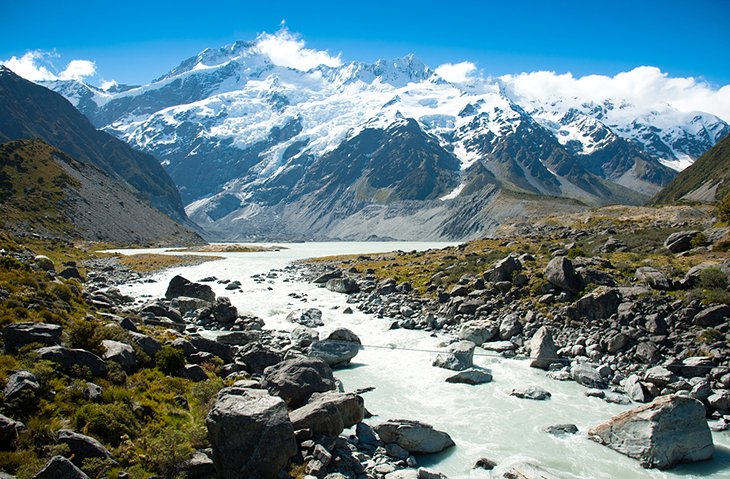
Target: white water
(483,420)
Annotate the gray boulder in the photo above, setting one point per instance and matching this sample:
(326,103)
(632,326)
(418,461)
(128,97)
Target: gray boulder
(588,376)
(502,270)
(335,353)
(82,447)
(343,335)
(258,357)
(659,376)
(223,311)
(509,327)
(720,400)
(478,331)
(471,376)
(666,432)
(459,356)
(561,429)
(525,470)
(342,285)
(302,336)
(194,373)
(121,353)
(20,334)
(295,380)
(21,386)
(542,349)
(150,346)
(60,468)
(414,436)
(535,393)
(653,278)
(9,430)
(680,242)
(712,316)
(251,434)
(311,317)
(329,413)
(561,273)
(599,304)
(67,358)
(180,286)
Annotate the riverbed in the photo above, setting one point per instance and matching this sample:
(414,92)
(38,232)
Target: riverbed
(483,420)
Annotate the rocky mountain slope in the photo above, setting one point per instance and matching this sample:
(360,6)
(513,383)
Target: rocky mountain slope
(32,111)
(242,137)
(47,192)
(706,180)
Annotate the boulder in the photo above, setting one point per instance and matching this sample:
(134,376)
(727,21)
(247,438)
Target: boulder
(71,272)
(509,327)
(9,430)
(200,466)
(343,335)
(329,413)
(720,400)
(194,373)
(20,334)
(303,336)
(560,272)
(668,431)
(342,285)
(459,356)
(471,376)
(653,278)
(636,390)
(696,366)
(60,468)
(560,429)
(503,270)
(328,275)
(22,387)
(217,348)
(659,376)
(258,357)
(599,304)
(250,433)
(121,353)
(311,318)
(542,349)
(681,241)
(478,331)
(296,379)
(223,311)
(180,286)
(414,436)
(712,316)
(158,309)
(67,358)
(335,353)
(82,447)
(525,470)
(535,393)
(588,376)
(148,345)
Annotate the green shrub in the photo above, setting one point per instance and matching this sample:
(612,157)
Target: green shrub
(166,452)
(107,422)
(170,360)
(723,209)
(83,335)
(699,241)
(575,252)
(712,278)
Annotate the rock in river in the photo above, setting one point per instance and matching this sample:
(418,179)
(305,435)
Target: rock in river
(296,379)
(414,436)
(535,393)
(460,356)
(180,286)
(666,432)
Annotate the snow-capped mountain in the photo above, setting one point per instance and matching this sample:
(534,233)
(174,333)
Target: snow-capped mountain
(337,151)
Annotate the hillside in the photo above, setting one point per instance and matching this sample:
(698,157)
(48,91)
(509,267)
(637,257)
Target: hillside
(32,111)
(707,180)
(47,192)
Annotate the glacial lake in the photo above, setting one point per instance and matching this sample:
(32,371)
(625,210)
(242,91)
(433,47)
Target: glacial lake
(483,420)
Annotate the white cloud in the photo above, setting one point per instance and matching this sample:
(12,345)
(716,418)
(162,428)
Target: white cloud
(78,69)
(107,84)
(287,50)
(37,65)
(457,72)
(645,87)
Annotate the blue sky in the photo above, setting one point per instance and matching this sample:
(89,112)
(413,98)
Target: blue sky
(134,41)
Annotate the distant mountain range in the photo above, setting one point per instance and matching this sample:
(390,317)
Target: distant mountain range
(260,150)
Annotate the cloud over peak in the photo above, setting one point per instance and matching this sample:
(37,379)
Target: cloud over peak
(457,72)
(37,65)
(288,50)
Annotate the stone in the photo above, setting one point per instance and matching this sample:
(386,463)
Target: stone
(541,349)
(21,387)
(251,434)
(223,311)
(647,353)
(295,380)
(712,316)
(535,393)
(311,317)
(459,356)
(194,373)
(659,376)
(335,353)
(668,431)
(720,400)
(560,429)
(302,336)
(120,353)
(329,413)
(471,376)
(414,436)
(82,447)
(503,270)
(485,463)
(525,470)
(200,466)
(328,275)
(233,285)
(599,304)
(343,335)
(342,285)
(696,366)
(680,242)
(217,348)
(180,286)
(60,468)
(44,263)
(653,278)
(67,358)
(588,376)
(19,334)
(560,272)
(509,327)
(478,331)
(258,357)
(424,473)
(150,346)
(9,430)
(499,346)
(616,342)
(92,392)
(71,273)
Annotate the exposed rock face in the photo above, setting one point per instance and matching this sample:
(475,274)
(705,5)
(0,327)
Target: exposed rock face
(21,386)
(180,286)
(60,468)
(599,304)
(342,285)
(712,316)
(251,434)
(121,353)
(681,241)
(9,430)
(561,273)
(460,356)
(82,447)
(502,270)
(542,349)
(535,393)
(329,413)
(414,436)
(67,358)
(653,278)
(478,331)
(335,353)
(471,376)
(666,432)
(19,334)
(588,376)
(296,379)
(311,318)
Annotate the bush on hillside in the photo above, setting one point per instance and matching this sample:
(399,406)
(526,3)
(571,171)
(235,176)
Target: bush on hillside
(723,209)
